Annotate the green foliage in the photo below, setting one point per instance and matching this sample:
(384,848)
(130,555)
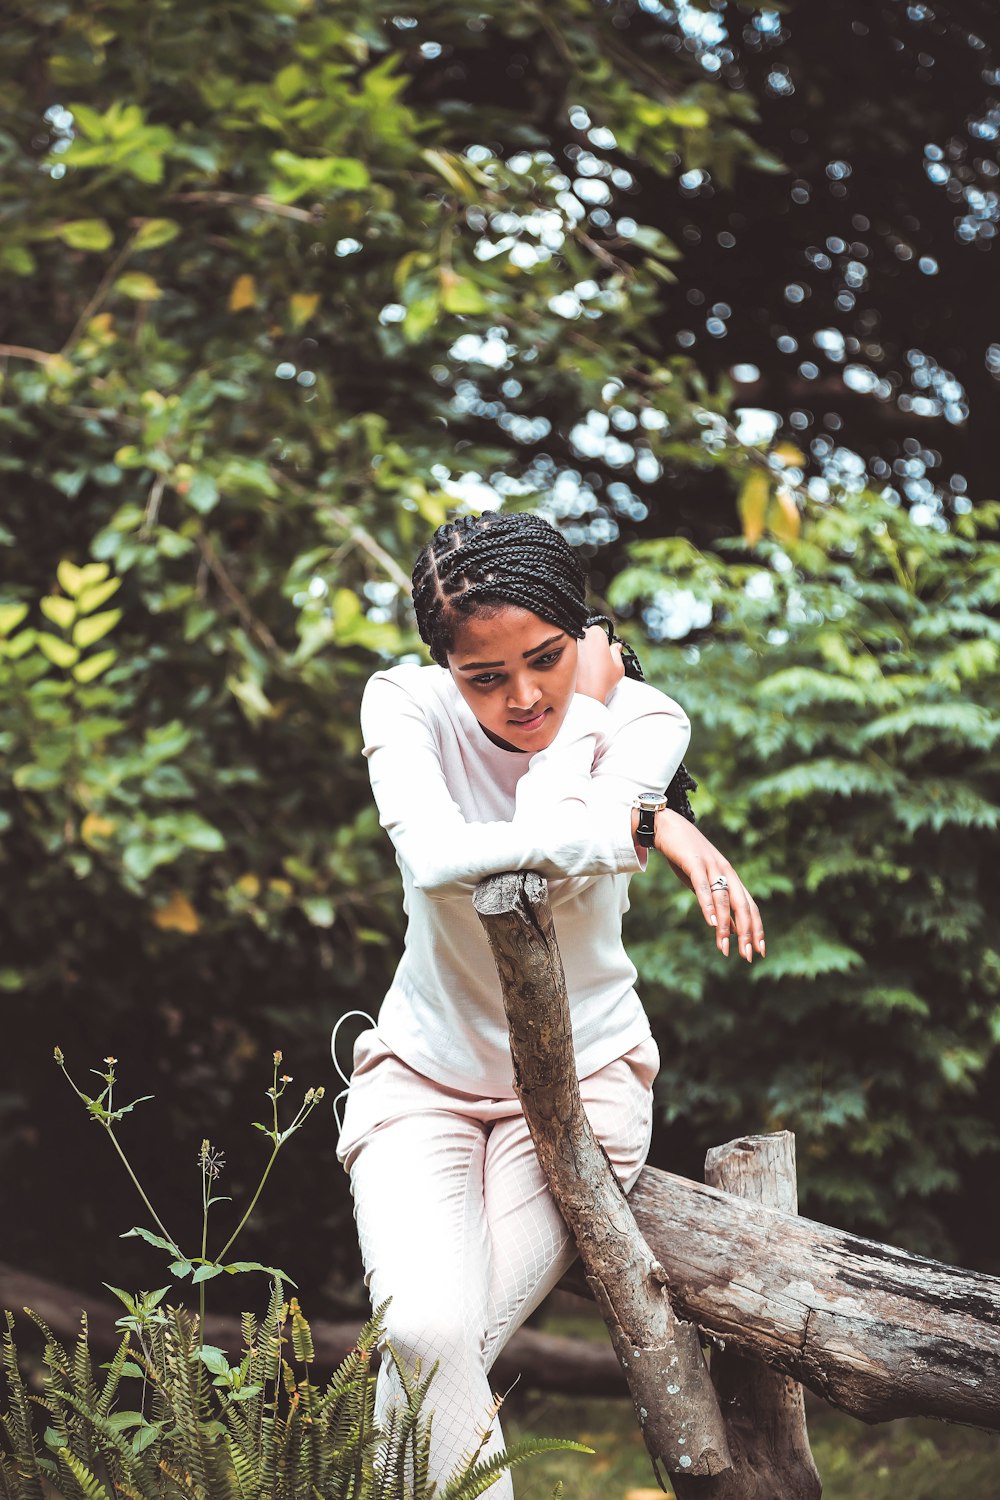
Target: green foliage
(256,305)
(845,697)
(271,317)
(261,1429)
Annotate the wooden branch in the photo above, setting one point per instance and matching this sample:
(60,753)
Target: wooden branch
(103,287)
(764,1410)
(675,1402)
(260,201)
(21,351)
(248,619)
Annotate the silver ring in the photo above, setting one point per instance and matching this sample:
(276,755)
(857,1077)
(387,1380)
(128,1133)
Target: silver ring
(720,883)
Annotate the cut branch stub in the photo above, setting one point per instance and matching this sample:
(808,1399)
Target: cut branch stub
(674,1398)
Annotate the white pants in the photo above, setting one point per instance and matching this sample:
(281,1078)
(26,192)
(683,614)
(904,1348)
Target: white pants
(457,1225)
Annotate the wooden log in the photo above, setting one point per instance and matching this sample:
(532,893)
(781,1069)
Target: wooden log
(545,1361)
(764,1409)
(876,1331)
(674,1398)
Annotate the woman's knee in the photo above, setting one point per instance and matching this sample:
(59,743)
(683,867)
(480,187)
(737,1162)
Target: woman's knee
(427,1328)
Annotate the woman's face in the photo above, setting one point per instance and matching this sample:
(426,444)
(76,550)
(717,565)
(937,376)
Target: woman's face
(517,673)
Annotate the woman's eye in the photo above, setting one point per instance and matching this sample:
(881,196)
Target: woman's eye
(487,679)
(549,659)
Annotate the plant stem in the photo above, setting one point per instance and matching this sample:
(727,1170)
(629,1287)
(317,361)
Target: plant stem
(139,1187)
(205,1191)
(128,1165)
(253,1203)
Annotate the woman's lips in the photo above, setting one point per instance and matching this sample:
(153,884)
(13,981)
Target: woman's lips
(526,726)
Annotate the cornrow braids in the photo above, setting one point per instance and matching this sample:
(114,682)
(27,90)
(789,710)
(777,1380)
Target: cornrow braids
(478,564)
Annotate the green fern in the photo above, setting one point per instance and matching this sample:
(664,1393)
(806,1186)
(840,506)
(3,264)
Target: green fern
(17,1424)
(286,1439)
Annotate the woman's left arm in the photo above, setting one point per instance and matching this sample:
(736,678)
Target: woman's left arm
(643,756)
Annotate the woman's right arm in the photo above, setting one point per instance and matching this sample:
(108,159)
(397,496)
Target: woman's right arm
(559,828)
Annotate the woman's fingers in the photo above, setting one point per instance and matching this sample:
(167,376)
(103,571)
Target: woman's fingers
(714,903)
(730,909)
(746,917)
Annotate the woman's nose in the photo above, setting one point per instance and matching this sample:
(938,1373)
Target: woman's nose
(524,694)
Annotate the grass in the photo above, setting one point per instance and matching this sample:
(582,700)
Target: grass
(912,1459)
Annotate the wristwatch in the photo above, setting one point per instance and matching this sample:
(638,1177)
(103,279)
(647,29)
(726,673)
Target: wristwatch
(649,804)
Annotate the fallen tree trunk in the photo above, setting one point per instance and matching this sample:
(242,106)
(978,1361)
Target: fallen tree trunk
(542,1361)
(876,1331)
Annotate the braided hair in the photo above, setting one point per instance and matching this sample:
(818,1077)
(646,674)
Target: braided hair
(478,564)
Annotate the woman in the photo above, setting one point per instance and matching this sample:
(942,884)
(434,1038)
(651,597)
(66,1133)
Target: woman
(524,747)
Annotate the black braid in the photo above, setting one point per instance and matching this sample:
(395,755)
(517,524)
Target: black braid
(480,563)
(477,564)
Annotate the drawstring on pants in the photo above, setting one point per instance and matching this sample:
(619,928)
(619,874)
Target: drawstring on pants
(333,1049)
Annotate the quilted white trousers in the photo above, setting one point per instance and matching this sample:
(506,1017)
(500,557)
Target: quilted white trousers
(457,1225)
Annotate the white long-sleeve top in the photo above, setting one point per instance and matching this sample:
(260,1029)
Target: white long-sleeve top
(457,808)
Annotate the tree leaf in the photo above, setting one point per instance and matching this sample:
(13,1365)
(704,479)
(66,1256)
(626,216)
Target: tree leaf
(60,610)
(177,914)
(303,306)
(151,1239)
(752,505)
(138,286)
(206,1273)
(58,651)
(93,597)
(11,616)
(243,294)
(93,666)
(85,234)
(153,233)
(91,629)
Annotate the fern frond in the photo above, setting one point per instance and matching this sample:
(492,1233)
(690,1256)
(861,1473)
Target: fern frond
(466,1484)
(18,1423)
(186,1379)
(83,1370)
(302,1339)
(114,1376)
(101,1441)
(182,1481)
(243,1468)
(90,1486)
(7,1478)
(56,1357)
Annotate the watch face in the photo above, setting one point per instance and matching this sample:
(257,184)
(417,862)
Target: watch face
(651,801)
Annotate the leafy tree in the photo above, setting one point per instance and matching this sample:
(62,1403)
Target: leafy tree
(844,687)
(250,304)
(284,285)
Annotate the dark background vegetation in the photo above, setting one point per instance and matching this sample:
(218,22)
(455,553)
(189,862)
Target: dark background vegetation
(274,305)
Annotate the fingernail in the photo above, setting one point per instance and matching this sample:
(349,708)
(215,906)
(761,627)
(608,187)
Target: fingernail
(763,950)
(714,921)
(725,947)
(749,953)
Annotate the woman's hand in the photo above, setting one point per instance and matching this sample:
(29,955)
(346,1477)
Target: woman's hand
(600,667)
(729,909)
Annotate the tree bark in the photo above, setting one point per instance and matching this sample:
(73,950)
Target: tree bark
(875,1331)
(764,1409)
(675,1401)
